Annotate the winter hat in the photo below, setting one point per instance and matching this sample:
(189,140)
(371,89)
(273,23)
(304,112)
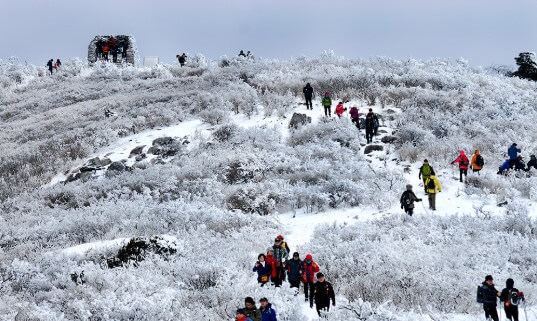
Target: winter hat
(488,278)
(408,187)
(241,311)
(308,84)
(514,144)
(426,160)
(327,94)
(263,300)
(461,152)
(279,237)
(509,283)
(296,254)
(320,275)
(309,257)
(270,250)
(532,156)
(249,299)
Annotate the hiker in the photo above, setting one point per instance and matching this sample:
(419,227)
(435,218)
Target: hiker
(369,127)
(50,65)
(125,47)
(487,294)
(407,200)
(432,185)
(286,247)
(106,49)
(463,162)
(58,64)
(375,120)
(182,59)
(531,163)
(242,54)
(327,103)
(477,162)
(355,116)
(271,261)
(520,165)
(249,55)
(308,270)
(293,271)
(241,316)
(340,109)
(267,312)
(263,269)
(99,49)
(308,95)
(505,167)
(513,154)
(426,171)
(280,255)
(511,297)
(322,292)
(114,54)
(251,310)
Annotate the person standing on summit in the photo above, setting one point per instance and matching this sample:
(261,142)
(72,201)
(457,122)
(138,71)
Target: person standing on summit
(327,103)
(513,154)
(308,95)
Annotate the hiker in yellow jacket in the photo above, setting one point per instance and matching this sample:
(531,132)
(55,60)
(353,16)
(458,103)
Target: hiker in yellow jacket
(432,186)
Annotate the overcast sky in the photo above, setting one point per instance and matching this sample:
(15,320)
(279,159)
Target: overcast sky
(484,32)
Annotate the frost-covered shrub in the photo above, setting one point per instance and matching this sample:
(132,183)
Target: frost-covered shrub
(395,260)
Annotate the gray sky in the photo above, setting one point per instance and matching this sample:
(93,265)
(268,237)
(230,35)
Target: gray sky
(483,31)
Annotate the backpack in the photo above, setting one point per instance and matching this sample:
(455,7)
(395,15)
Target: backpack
(426,170)
(430,184)
(464,161)
(480,298)
(406,199)
(513,297)
(479,161)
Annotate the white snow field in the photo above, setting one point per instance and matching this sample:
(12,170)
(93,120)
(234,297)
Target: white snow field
(234,175)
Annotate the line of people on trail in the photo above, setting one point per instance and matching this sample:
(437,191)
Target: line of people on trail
(276,266)
(510,296)
(432,185)
(53,66)
(370,123)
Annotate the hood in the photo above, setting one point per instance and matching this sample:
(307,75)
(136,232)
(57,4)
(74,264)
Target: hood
(477,152)
(327,94)
(509,283)
(308,85)
(461,152)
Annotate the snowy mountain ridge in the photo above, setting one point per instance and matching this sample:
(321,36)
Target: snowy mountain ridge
(244,177)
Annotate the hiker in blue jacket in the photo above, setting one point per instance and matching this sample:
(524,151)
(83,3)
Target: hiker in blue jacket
(513,154)
(267,312)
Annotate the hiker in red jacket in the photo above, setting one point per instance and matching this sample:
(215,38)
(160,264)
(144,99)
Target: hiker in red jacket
(308,270)
(355,116)
(463,164)
(340,109)
(273,263)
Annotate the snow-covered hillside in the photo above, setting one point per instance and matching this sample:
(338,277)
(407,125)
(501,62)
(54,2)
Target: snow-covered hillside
(226,175)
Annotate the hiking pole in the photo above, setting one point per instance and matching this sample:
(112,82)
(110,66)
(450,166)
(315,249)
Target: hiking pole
(525,312)
(426,212)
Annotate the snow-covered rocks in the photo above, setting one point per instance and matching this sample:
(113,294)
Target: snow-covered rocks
(299,120)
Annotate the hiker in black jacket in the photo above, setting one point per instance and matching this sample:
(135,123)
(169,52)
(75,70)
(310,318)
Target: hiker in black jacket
(308,94)
(487,294)
(323,293)
(511,298)
(407,200)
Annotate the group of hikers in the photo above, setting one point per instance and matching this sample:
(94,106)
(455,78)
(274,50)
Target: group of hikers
(510,296)
(248,54)
(53,66)
(275,267)
(251,313)
(370,123)
(432,185)
(516,161)
(112,46)
(182,59)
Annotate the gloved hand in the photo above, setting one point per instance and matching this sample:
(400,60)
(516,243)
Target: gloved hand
(401,206)
(333,304)
(419,199)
